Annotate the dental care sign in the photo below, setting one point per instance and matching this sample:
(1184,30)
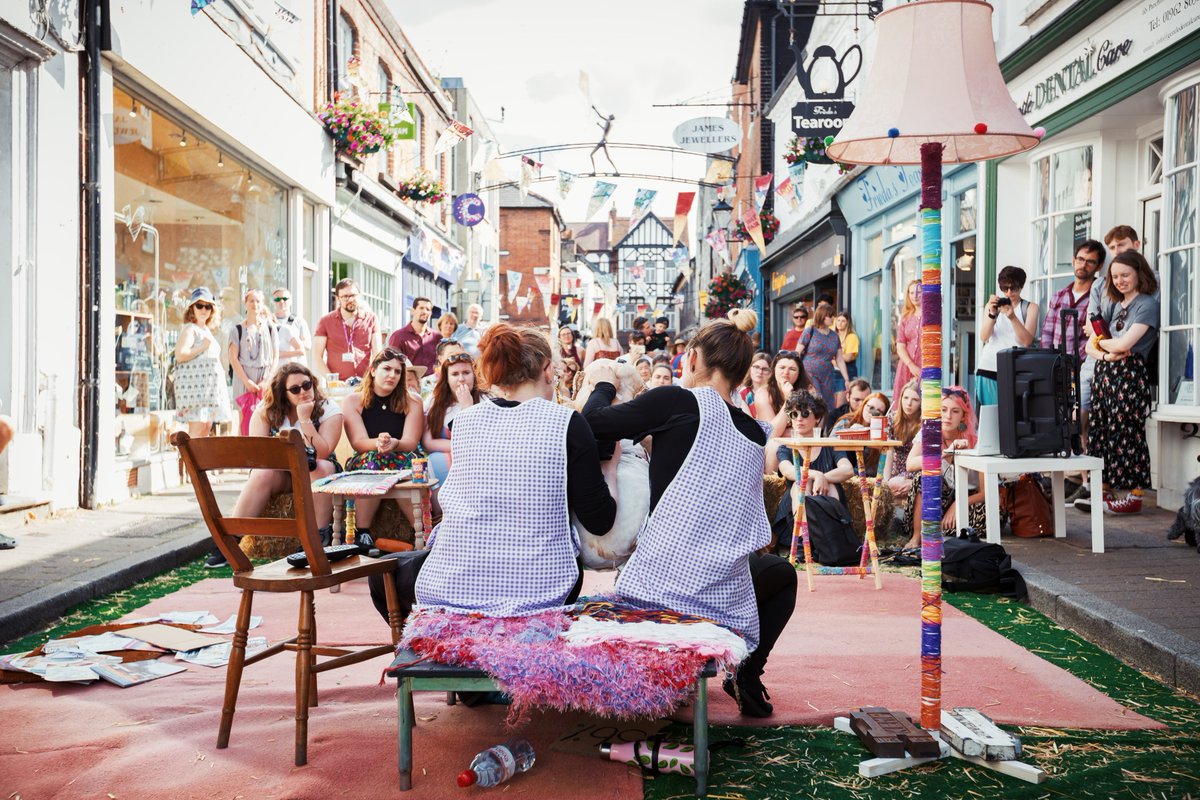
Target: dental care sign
(1118,42)
(708,135)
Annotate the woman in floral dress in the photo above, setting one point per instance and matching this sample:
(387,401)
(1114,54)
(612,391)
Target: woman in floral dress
(201,395)
(822,351)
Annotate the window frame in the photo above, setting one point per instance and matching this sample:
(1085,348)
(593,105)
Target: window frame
(1041,277)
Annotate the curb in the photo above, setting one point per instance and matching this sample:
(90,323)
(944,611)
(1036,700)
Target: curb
(1145,645)
(27,613)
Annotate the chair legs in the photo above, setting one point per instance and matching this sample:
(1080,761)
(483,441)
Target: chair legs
(233,672)
(404,707)
(304,675)
(392,597)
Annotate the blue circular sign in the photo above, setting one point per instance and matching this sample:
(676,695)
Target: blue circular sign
(468,210)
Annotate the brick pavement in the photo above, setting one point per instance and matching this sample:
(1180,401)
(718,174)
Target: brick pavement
(74,556)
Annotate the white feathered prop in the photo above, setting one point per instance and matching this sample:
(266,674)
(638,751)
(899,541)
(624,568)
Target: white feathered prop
(628,478)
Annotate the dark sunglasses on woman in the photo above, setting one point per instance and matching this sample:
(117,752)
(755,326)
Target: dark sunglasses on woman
(301,387)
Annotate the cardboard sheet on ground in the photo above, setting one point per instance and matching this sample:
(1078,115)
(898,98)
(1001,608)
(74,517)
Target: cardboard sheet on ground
(847,646)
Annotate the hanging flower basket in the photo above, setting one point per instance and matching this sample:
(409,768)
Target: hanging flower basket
(770,227)
(725,292)
(421,188)
(811,149)
(356,129)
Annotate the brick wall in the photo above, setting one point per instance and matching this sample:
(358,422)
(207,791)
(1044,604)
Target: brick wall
(532,239)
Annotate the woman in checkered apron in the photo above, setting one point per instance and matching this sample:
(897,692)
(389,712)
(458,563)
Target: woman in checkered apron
(520,462)
(698,552)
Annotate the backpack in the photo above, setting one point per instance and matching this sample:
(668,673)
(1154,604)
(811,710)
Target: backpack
(969,565)
(831,533)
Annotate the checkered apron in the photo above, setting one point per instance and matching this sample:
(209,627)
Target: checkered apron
(692,552)
(504,546)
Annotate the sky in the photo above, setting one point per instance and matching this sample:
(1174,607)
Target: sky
(526,55)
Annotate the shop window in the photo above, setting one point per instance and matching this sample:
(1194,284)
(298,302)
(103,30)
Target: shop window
(1154,161)
(967,209)
(1180,251)
(188,216)
(1063,205)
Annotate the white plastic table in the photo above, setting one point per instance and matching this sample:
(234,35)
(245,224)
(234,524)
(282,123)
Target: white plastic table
(992,467)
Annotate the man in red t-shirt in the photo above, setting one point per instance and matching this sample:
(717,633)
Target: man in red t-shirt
(417,340)
(347,337)
(799,320)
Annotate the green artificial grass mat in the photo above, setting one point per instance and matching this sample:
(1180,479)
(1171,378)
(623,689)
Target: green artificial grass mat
(795,762)
(113,606)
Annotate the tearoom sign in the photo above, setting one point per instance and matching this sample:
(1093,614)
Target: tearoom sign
(708,134)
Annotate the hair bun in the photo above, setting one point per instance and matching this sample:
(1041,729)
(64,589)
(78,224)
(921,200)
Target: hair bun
(744,319)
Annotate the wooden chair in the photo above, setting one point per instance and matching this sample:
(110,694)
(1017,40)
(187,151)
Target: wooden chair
(285,452)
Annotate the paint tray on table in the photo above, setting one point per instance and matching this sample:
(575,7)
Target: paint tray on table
(362,482)
(856,433)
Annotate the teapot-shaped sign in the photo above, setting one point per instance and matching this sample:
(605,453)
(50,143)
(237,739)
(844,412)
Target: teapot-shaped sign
(825,77)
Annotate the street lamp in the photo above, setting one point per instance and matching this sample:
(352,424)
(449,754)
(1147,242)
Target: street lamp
(722,214)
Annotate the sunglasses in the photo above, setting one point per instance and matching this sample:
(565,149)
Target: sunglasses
(799,316)
(800,414)
(959,393)
(282,299)
(788,354)
(300,387)
(203,306)
(1119,322)
(459,357)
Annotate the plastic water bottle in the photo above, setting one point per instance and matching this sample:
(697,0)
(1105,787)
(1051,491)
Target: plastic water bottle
(497,764)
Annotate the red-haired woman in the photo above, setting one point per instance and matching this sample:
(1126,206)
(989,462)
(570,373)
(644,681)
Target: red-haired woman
(522,463)
(958,433)
(698,552)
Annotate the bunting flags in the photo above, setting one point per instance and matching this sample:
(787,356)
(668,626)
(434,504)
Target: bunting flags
(716,240)
(398,113)
(683,205)
(600,194)
(565,181)
(483,154)
(456,132)
(529,169)
(543,286)
(762,188)
(796,173)
(641,204)
(786,190)
(494,171)
(753,226)
(597,307)
(523,303)
(719,171)
(514,284)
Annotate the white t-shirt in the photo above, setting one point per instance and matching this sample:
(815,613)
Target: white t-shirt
(1004,337)
(296,329)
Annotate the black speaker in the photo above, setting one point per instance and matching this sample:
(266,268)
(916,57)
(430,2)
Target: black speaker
(1035,399)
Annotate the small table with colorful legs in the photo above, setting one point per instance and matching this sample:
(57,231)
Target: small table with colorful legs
(418,494)
(870,487)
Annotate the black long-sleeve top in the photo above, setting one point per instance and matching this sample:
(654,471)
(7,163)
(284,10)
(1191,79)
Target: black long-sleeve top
(587,493)
(671,414)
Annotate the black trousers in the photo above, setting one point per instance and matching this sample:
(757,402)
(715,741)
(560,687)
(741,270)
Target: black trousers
(775,586)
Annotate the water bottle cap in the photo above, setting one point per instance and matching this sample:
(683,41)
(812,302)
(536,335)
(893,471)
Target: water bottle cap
(606,750)
(467,778)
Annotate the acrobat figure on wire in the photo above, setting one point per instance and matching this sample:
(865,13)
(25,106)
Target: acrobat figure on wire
(606,125)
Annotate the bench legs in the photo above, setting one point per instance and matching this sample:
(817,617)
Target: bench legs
(700,735)
(405,733)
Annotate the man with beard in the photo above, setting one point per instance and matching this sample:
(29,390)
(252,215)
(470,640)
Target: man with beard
(347,337)
(417,340)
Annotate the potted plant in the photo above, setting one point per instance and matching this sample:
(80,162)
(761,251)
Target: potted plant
(356,129)
(421,188)
(770,227)
(811,150)
(725,292)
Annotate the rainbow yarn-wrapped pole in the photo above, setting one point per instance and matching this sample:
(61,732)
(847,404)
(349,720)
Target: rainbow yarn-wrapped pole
(931,435)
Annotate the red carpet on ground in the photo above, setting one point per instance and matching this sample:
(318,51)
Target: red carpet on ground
(847,646)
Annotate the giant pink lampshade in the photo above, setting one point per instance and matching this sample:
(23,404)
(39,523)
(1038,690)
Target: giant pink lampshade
(934,78)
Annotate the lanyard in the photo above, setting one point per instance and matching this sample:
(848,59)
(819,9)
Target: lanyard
(349,340)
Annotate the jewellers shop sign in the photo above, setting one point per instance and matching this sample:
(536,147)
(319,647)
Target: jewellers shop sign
(1122,39)
(708,135)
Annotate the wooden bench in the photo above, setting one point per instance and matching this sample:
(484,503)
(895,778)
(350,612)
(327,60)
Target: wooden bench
(432,676)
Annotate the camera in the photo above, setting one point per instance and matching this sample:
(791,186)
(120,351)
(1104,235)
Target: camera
(1003,301)
(311,453)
